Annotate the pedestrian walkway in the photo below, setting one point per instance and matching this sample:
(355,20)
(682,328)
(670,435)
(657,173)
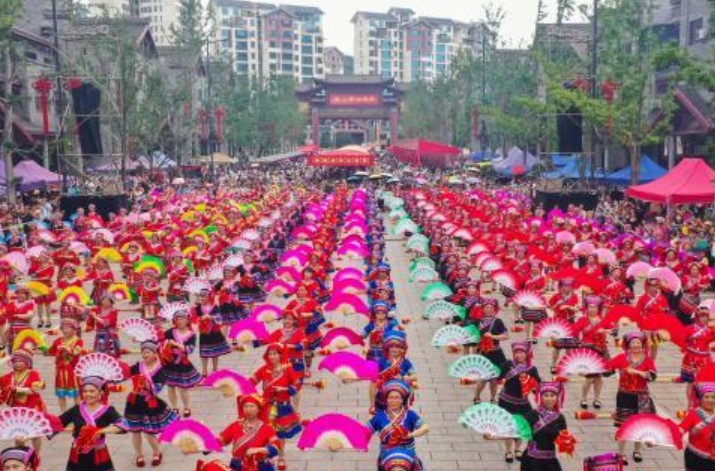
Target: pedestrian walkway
(440,401)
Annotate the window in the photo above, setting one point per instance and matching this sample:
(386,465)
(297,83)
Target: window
(307,71)
(242,56)
(697,31)
(287,57)
(287,45)
(287,67)
(307,49)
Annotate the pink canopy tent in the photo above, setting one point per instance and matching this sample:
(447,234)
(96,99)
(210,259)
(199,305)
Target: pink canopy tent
(689,182)
(425,153)
(33,176)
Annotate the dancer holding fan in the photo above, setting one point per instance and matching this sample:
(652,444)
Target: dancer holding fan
(91,421)
(146,413)
(636,369)
(310,315)
(564,305)
(253,441)
(652,303)
(697,350)
(179,343)
(493,331)
(67,350)
(595,339)
(279,383)
(397,425)
(104,318)
(292,338)
(21,387)
(550,434)
(698,424)
(212,343)
(520,378)
(393,364)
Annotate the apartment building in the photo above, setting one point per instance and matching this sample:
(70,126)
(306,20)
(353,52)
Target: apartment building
(263,39)
(334,60)
(408,48)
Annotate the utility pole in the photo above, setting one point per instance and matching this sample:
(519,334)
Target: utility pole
(594,80)
(59,100)
(483,124)
(209,106)
(8,141)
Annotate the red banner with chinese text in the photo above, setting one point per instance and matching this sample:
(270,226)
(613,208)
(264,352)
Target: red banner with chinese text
(354,100)
(338,160)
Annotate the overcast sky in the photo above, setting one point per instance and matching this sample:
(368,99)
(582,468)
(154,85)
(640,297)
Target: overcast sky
(518,26)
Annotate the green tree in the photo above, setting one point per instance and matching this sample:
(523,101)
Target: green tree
(194,25)
(9,9)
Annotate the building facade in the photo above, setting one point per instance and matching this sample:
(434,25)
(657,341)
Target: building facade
(264,39)
(162,15)
(400,45)
(334,61)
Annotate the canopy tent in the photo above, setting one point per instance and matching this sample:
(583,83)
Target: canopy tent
(571,171)
(561,160)
(515,158)
(691,181)
(271,159)
(481,156)
(425,153)
(650,170)
(157,160)
(31,176)
(218,159)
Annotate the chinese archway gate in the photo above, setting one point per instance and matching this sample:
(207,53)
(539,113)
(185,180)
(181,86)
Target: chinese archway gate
(357,104)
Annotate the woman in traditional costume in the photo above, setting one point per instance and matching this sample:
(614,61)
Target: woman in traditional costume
(635,369)
(19,313)
(493,331)
(393,364)
(21,387)
(67,351)
(104,318)
(279,384)
(45,273)
(19,458)
(181,375)
(310,318)
(293,340)
(699,424)
(212,343)
(694,283)
(91,421)
(102,278)
(252,439)
(520,379)
(652,303)
(145,412)
(594,338)
(549,432)
(697,349)
(374,331)
(564,305)
(397,425)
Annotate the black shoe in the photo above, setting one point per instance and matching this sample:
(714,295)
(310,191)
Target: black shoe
(509,457)
(584,405)
(624,460)
(637,457)
(597,404)
(518,454)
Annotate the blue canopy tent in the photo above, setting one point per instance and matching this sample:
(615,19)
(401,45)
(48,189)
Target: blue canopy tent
(482,156)
(650,170)
(570,171)
(560,160)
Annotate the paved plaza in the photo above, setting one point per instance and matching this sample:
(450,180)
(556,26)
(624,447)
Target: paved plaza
(440,401)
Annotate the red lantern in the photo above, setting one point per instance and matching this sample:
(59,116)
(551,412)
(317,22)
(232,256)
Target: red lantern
(475,122)
(581,84)
(44,86)
(204,124)
(219,114)
(608,90)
